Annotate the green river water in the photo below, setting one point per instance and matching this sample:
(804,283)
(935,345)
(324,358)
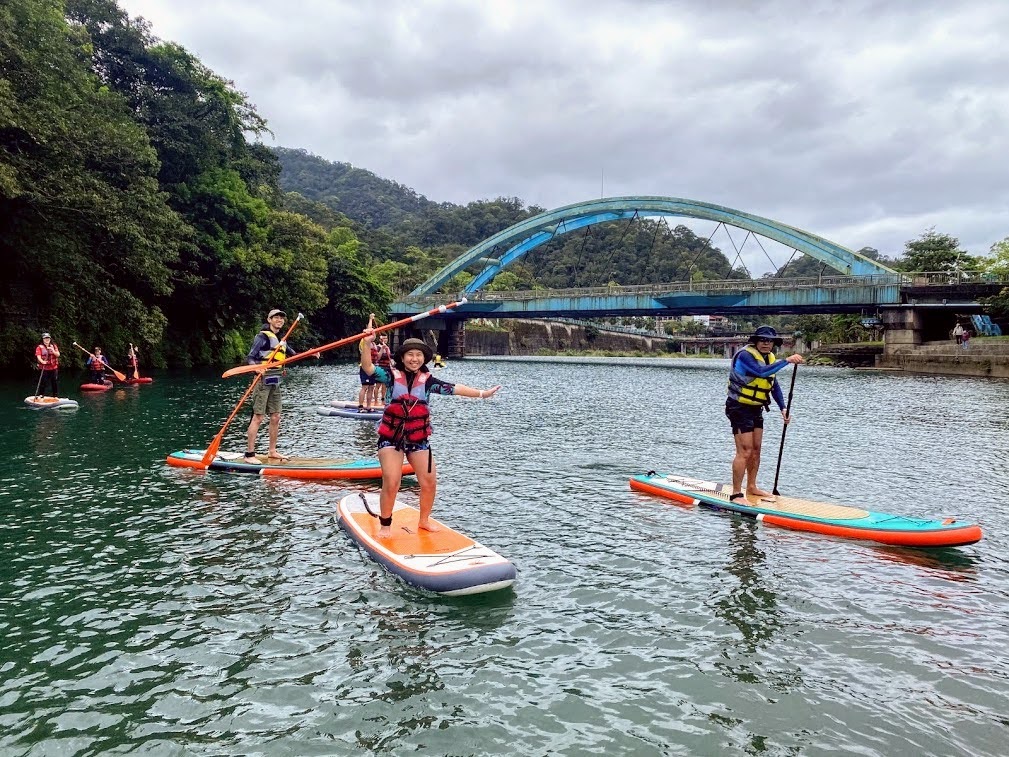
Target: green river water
(152,610)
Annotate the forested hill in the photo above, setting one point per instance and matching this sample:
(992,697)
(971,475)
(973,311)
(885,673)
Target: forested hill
(377,203)
(411,237)
(359,194)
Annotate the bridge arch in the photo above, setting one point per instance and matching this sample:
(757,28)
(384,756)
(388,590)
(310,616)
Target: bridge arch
(517,240)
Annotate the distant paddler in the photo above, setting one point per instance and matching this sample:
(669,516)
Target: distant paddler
(132,362)
(406,424)
(97,365)
(752,385)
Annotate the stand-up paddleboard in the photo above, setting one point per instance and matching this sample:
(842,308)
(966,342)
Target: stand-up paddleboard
(346,412)
(446,561)
(138,381)
(96,387)
(51,403)
(314,468)
(819,517)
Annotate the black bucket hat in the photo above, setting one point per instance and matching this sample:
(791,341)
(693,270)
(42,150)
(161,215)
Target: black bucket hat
(766,332)
(414,344)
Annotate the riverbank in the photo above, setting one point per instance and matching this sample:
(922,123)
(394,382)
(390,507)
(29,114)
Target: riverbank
(986,357)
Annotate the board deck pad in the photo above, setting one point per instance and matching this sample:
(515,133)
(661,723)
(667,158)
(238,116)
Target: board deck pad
(294,462)
(348,405)
(809,515)
(54,403)
(347,412)
(312,468)
(446,561)
(776,503)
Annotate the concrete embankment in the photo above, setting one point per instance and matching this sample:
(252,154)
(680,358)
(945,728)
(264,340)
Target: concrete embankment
(534,337)
(981,358)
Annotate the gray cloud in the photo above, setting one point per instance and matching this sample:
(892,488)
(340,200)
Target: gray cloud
(865,122)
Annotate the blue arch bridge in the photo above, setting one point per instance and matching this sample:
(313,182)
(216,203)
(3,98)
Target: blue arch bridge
(913,307)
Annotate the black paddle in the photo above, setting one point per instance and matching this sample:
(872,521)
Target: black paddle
(788,414)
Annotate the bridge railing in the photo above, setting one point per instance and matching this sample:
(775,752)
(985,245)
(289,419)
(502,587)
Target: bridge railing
(928,278)
(947,278)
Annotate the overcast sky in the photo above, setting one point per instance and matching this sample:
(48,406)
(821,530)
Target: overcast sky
(862,121)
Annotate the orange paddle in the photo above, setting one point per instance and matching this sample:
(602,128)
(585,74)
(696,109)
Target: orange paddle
(238,371)
(117,374)
(215,443)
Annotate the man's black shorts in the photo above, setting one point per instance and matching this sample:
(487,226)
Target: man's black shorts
(744,418)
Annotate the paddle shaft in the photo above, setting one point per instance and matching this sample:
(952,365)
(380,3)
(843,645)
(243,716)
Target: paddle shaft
(215,443)
(136,368)
(239,370)
(788,411)
(117,374)
(39,385)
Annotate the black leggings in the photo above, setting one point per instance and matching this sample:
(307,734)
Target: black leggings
(50,384)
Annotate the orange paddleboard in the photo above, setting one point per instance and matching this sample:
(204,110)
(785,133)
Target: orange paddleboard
(446,561)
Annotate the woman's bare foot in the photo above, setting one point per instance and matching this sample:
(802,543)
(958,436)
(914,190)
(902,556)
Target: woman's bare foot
(384,532)
(428,526)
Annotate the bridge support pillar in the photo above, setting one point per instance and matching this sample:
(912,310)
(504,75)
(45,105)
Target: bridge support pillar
(455,339)
(903,329)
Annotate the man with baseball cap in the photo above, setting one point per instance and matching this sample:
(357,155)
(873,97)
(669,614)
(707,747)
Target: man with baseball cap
(47,355)
(266,397)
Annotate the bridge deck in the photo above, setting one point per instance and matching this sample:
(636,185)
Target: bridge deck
(825,294)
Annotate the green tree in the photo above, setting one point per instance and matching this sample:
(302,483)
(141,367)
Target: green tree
(933,251)
(998,262)
(506,281)
(88,238)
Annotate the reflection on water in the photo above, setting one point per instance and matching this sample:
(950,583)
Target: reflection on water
(750,605)
(147,608)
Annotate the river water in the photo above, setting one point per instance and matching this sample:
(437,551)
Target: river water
(153,610)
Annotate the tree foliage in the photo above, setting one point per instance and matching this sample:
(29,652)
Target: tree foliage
(135,208)
(933,251)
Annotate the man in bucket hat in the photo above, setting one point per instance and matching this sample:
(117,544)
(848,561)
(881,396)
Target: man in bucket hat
(752,386)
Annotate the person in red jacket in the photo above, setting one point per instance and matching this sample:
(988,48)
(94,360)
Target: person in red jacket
(406,425)
(47,355)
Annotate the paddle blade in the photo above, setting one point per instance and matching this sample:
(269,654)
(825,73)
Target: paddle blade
(118,375)
(243,369)
(212,448)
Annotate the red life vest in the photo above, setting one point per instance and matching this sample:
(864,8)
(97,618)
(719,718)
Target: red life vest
(381,356)
(406,419)
(50,361)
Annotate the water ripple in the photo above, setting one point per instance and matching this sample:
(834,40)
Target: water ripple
(151,609)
